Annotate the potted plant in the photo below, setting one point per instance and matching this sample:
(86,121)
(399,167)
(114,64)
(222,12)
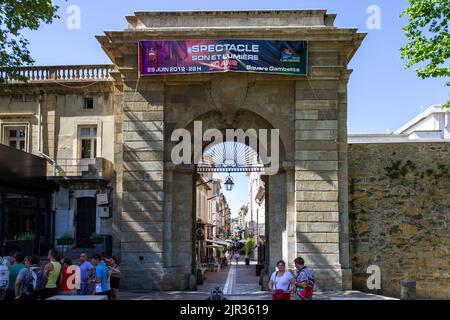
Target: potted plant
(26,242)
(95,238)
(248,248)
(65,240)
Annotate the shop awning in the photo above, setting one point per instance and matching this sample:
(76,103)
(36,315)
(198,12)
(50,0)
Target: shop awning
(218,242)
(23,171)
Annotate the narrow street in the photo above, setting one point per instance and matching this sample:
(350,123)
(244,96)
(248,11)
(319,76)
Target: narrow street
(238,282)
(241,283)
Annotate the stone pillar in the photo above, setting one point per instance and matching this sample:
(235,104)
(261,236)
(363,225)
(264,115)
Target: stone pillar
(408,289)
(49,126)
(168,212)
(344,238)
(178,231)
(277,235)
(316,175)
(291,215)
(143,197)
(118,181)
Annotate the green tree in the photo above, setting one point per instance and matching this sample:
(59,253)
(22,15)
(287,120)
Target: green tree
(248,247)
(15,16)
(428,38)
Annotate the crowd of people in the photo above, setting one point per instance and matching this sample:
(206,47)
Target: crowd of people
(100,275)
(29,280)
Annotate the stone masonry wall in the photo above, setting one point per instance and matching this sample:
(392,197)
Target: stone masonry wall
(399,206)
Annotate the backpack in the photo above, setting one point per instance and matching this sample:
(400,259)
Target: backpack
(36,280)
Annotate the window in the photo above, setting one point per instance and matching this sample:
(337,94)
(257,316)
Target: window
(88,103)
(88,138)
(16,137)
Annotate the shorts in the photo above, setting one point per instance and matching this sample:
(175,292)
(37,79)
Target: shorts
(115,283)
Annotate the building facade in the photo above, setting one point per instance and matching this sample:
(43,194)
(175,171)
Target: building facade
(256,204)
(71,127)
(431,125)
(212,213)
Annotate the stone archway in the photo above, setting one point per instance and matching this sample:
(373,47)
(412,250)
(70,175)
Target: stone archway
(180,195)
(311,113)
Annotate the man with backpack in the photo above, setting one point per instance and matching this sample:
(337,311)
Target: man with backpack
(304,281)
(30,280)
(16,266)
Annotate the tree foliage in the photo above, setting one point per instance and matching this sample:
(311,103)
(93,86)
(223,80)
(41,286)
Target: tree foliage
(428,38)
(16,16)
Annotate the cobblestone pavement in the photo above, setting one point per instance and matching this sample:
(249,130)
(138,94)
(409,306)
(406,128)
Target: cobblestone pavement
(238,282)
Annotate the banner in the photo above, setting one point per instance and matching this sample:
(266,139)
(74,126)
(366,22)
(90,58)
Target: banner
(161,57)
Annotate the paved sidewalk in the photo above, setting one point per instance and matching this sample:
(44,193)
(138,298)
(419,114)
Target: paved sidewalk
(238,282)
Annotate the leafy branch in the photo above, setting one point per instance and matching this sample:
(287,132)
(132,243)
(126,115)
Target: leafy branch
(429,39)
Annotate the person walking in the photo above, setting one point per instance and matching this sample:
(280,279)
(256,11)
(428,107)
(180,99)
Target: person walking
(14,269)
(304,281)
(30,280)
(67,282)
(52,271)
(107,262)
(281,282)
(85,273)
(100,277)
(115,278)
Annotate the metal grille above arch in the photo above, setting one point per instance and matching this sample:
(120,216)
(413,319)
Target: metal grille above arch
(230,156)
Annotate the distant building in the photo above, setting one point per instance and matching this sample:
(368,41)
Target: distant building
(212,213)
(256,204)
(431,125)
(243,212)
(71,130)
(235,225)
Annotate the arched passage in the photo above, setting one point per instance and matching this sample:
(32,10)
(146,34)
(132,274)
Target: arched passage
(182,192)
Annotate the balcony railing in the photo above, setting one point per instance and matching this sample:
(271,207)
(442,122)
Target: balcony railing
(60,73)
(85,169)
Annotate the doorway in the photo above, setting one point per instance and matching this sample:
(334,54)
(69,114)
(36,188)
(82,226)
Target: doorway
(86,220)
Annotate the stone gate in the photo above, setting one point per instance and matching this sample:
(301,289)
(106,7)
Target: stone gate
(307,211)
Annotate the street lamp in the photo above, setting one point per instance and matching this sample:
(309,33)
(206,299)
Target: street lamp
(229,183)
(209,181)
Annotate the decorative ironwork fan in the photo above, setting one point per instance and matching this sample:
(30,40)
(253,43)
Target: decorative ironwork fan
(230,156)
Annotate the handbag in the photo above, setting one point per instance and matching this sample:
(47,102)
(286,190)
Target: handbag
(279,294)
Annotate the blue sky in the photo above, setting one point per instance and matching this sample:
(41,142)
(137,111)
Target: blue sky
(382,94)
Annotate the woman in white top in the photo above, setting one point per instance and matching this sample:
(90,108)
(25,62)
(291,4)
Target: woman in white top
(281,282)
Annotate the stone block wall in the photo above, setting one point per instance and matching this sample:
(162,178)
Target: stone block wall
(317,185)
(140,195)
(399,206)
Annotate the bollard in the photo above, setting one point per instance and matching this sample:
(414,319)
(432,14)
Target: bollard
(193,282)
(408,289)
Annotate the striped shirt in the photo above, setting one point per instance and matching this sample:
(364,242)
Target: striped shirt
(305,275)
